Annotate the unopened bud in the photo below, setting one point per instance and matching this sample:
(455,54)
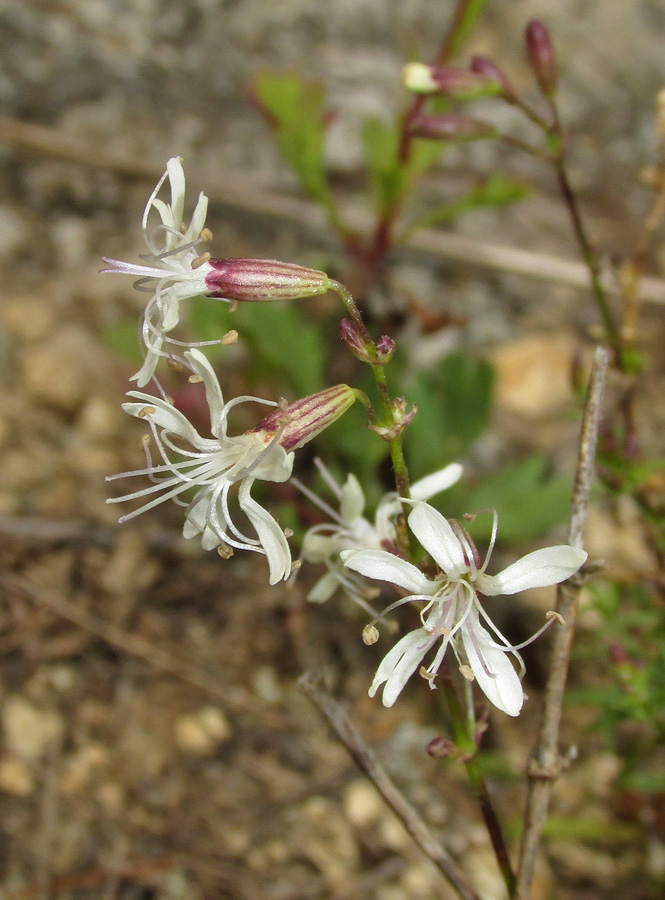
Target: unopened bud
(354,340)
(440,747)
(456,83)
(306,418)
(261,280)
(451,128)
(483,65)
(385,349)
(541,56)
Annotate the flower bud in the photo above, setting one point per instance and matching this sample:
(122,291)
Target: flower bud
(385,348)
(308,417)
(440,747)
(451,128)
(541,56)
(354,340)
(456,83)
(483,65)
(258,280)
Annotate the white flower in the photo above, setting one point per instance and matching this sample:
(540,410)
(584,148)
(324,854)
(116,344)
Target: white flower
(175,268)
(213,466)
(453,612)
(350,530)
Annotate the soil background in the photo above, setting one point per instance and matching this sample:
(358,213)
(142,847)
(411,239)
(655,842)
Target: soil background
(153,742)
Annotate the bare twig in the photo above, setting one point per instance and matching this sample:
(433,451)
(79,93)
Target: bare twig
(544,763)
(239,190)
(365,759)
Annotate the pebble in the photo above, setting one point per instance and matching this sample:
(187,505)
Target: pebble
(202,732)
(63,370)
(16,777)
(29,730)
(362,804)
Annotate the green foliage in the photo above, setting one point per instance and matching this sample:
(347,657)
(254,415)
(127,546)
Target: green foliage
(296,110)
(121,338)
(389,177)
(474,9)
(454,403)
(497,191)
(270,331)
(528,500)
(627,653)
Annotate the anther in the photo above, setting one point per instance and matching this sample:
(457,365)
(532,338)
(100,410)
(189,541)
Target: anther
(467,672)
(428,676)
(297,563)
(206,235)
(551,614)
(195,379)
(146,411)
(175,364)
(370,635)
(229,338)
(288,532)
(225,551)
(200,260)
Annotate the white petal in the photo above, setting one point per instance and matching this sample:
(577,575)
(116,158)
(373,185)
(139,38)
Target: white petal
(269,533)
(204,370)
(177,181)
(399,664)
(352,502)
(147,370)
(438,538)
(198,220)
(276,465)
(551,565)
(436,482)
(324,588)
(504,690)
(169,418)
(383,566)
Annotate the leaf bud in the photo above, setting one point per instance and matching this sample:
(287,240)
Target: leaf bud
(541,56)
(261,280)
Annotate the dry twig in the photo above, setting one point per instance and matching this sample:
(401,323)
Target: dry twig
(544,763)
(365,759)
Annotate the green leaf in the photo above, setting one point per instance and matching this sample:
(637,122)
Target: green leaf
(271,331)
(122,338)
(528,500)
(498,190)
(296,110)
(454,403)
(473,11)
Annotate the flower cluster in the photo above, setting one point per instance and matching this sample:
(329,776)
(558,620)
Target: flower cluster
(174,269)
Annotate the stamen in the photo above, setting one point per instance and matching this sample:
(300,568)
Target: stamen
(229,338)
(467,672)
(370,635)
(200,260)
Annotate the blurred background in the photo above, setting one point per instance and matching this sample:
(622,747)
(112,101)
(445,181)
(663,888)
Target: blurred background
(153,743)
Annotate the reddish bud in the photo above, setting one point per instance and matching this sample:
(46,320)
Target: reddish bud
(354,340)
(456,83)
(441,747)
(451,128)
(303,420)
(541,56)
(259,280)
(483,65)
(385,348)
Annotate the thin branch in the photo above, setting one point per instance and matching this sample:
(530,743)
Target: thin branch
(239,190)
(365,759)
(545,762)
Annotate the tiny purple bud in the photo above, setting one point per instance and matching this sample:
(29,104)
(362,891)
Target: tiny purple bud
(385,348)
(483,65)
(456,83)
(451,127)
(541,56)
(259,280)
(303,420)
(440,747)
(351,336)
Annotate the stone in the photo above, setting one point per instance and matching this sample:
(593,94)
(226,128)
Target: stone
(203,732)
(29,731)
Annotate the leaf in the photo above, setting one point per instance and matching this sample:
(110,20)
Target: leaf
(270,331)
(528,500)
(473,11)
(454,404)
(498,190)
(296,111)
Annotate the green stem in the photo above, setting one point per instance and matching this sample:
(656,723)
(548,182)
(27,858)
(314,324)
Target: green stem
(467,744)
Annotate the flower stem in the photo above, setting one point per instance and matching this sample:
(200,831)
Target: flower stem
(467,744)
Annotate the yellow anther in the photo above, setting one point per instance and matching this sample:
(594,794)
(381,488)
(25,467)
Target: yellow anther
(146,411)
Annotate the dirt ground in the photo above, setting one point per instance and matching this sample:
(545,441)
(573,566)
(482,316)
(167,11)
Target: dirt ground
(154,744)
